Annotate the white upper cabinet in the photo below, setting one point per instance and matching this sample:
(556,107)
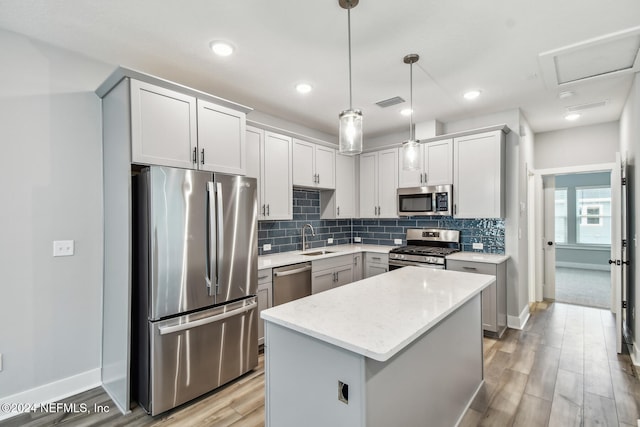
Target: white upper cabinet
(341,203)
(163,126)
(435,165)
(378,184)
(479,170)
(221,139)
(170,128)
(277,185)
(313,165)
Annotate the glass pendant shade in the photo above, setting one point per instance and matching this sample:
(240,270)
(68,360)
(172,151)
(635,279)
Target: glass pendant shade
(411,155)
(351,132)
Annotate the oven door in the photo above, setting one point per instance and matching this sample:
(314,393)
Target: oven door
(394,264)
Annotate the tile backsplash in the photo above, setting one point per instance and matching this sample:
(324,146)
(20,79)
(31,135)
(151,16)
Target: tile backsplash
(284,236)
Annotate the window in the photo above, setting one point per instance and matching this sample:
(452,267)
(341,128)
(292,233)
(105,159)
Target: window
(593,212)
(561,215)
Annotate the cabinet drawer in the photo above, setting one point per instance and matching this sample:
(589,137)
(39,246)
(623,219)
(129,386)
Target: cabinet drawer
(264,276)
(376,258)
(472,267)
(327,263)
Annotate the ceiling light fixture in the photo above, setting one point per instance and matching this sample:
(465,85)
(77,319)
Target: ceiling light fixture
(406,111)
(303,88)
(572,116)
(350,120)
(410,148)
(221,48)
(472,94)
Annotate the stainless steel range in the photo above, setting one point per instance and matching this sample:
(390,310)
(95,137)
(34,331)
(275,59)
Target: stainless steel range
(425,248)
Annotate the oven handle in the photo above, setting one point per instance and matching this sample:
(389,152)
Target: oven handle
(399,263)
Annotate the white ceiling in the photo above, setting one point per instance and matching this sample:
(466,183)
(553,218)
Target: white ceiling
(493,45)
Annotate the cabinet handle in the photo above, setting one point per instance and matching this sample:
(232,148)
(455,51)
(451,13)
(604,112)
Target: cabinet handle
(318,178)
(262,277)
(195,155)
(376,258)
(338,211)
(425,177)
(334,277)
(355,260)
(202,156)
(469,268)
(264,210)
(268,211)
(455,208)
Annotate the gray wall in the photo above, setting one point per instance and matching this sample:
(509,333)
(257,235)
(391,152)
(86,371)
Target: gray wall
(578,146)
(51,169)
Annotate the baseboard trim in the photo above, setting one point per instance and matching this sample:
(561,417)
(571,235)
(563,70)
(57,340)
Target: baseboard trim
(53,391)
(582,266)
(518,322)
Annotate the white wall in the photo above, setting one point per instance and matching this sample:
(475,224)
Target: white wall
(630,149)
(578,146)
(51,172)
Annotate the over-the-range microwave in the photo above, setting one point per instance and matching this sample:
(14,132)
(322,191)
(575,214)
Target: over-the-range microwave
(425,201)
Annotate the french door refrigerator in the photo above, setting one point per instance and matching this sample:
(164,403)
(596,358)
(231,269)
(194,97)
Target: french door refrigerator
(195,309)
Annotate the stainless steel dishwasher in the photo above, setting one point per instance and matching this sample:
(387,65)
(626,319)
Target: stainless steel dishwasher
(291,282)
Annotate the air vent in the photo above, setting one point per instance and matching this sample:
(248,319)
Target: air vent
(582,107)
(389,102)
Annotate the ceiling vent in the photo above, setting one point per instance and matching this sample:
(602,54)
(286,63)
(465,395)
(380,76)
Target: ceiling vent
(582,107)
(389,102)
(602,57)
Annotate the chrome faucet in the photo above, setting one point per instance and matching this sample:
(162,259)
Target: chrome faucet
(304,240)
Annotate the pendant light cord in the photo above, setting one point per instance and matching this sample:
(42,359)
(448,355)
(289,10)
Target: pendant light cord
(349,31)
(411,101)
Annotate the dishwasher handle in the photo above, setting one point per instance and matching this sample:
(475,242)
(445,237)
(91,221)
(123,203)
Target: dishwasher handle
(290,272)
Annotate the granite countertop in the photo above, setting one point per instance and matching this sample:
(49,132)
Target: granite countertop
(293,257)
(379,316)
(478,257)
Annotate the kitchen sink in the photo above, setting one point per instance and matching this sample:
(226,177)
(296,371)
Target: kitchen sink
(316,253)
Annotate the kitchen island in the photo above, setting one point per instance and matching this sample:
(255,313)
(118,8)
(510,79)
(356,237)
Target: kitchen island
(401,348)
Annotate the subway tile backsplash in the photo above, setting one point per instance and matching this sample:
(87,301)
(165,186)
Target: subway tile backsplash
(284,236)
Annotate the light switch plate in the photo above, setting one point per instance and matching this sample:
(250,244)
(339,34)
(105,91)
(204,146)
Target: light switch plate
(63,247)
(357,240)
(397,241)
(266,247)
(478,246)
(329,241)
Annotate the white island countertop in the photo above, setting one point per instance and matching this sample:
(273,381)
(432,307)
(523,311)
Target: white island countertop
(479,257)
(379,316)
(294,257)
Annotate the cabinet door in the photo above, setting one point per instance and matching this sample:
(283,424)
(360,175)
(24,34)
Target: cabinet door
(368,185)
(388,183)
(375,269)
(221,139)
(264,302)
(303,163)
(163,126)
(411,178)
(325,158)
(438,159)
(276,166)
(345,186)
(322,281)
(344,275)
(357,267)
(254,141)
(478,171)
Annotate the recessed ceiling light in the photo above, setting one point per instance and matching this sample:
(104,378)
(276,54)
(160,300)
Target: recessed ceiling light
(566,94)
(303,88)
(472,94)
(572,116)
(405,111)
(221,48)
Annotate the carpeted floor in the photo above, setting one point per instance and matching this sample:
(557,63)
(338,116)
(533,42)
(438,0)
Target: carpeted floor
(583,287)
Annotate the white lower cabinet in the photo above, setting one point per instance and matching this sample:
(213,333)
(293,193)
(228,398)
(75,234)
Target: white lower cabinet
(375,263)
(494,297)
(265,286)
(330,273)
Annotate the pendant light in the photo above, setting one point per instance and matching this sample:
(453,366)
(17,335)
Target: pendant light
(410,148)
(350,120)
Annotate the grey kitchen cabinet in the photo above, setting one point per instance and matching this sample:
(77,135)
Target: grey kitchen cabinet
(494,297)
(329,273)
(375,263)
(358,267)
(265,300)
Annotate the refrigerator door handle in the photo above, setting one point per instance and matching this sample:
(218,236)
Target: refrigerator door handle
(220,231)
(164,330)
(212,255)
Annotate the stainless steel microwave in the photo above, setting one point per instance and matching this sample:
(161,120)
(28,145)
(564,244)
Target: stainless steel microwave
(425,201)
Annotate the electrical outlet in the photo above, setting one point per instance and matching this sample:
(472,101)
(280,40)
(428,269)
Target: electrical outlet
(397,241)
(63,247)
(329,241)
(478,246)
(343,392)
(357,239)
(266,247)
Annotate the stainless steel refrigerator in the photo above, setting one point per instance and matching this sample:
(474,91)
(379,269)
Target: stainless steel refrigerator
(195,281)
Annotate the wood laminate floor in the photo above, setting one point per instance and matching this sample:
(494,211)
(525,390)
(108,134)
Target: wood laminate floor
(561,370)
